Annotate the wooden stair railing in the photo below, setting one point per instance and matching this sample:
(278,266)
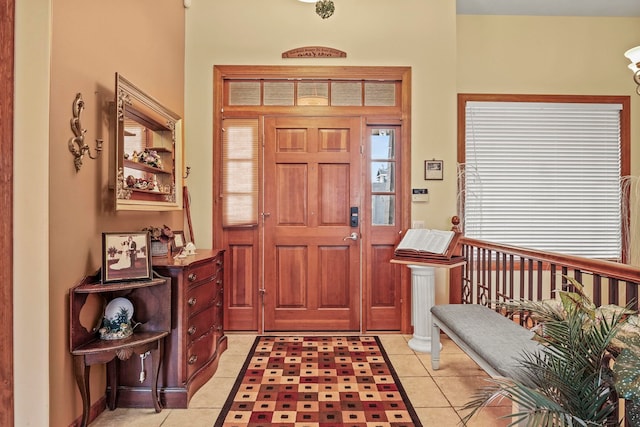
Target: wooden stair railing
(494,273)
(497,273)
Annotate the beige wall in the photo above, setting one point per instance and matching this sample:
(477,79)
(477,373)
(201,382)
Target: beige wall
(561,55)
(90,41)
(415,33)
(553,55)
(550,55)
(30,216)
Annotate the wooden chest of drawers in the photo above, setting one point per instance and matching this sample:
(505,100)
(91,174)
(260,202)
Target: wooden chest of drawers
(197,340)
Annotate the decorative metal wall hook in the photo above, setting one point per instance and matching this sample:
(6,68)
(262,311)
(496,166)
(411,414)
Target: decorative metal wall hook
(188,172)
(77,145)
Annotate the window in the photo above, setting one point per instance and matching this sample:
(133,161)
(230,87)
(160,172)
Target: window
(313,92)
(382,146)
(239,172)
(544,173)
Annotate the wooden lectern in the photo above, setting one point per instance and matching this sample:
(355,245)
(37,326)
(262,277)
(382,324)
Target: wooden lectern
(415,250)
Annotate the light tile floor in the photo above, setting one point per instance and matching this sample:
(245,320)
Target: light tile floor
(437,396)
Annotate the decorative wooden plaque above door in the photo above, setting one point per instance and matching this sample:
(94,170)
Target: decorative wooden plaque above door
(314,52)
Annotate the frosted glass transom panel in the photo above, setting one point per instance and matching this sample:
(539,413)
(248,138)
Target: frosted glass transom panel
(313,93)
(300,92)
(346,93)
(278,93)
(244,93)
(380,94)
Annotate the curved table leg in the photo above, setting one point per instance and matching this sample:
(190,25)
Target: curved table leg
(112,380)
(156,355)
(81,371)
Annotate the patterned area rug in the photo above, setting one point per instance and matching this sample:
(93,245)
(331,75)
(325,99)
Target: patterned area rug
(317,382)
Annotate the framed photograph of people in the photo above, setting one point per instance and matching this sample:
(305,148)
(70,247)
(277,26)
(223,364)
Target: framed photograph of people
(125,256)
(433,169)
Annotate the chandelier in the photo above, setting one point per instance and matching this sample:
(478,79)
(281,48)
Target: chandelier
(634,56)
(324,8)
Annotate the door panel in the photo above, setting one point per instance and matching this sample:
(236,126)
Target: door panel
(385,294)
(311,180)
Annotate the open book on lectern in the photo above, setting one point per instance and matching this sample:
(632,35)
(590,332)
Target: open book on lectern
(428,244)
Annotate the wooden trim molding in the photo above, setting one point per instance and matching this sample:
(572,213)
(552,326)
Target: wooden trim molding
(7,31)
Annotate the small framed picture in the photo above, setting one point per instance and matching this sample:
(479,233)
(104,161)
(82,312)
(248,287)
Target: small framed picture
(125,256)
(179,241)
(433,169)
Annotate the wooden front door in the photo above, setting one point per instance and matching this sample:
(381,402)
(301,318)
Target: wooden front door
(311,252)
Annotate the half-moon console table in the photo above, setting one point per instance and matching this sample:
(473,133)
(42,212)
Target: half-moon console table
(152,309)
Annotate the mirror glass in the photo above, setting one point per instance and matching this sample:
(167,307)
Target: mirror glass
(148,153)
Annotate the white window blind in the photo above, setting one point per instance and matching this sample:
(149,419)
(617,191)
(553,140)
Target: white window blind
(239,172)
(544,176)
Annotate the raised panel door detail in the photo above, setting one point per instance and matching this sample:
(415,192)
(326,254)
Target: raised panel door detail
(291,140)
(291,277)
(334,266)
(335,140)
(334,182)
(383,280)
(292,184)
(241,295)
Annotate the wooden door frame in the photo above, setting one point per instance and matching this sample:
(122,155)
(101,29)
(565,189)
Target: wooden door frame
(7,34)
(239,72)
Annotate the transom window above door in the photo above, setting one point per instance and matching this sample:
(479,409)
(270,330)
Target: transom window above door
(336,93)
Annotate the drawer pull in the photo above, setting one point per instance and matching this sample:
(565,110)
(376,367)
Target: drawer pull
(193,277)
(191,330)
(219,304)
(192,359)
(192,301)
(219,262)
(219,281)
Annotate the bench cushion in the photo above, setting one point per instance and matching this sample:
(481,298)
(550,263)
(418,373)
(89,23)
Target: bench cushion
(495,338)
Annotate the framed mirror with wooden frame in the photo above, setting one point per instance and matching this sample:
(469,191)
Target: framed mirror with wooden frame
(148,151)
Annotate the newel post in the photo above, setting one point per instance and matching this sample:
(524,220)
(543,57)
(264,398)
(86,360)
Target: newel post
(455,274)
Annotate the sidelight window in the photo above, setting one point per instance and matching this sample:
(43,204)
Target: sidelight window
(383,176)
(239,172)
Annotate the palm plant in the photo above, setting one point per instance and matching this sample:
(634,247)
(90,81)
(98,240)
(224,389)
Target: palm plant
(572,379)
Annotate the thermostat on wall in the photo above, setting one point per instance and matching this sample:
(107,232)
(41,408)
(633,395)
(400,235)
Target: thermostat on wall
(419,195)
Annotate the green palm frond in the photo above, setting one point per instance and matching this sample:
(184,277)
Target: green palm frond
(535,409)
(569,381)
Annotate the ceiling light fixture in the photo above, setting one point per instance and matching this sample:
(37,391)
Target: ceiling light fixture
(634,56)
(324,8)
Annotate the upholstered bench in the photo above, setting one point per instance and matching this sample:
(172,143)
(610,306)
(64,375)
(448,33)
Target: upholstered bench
(493,341)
